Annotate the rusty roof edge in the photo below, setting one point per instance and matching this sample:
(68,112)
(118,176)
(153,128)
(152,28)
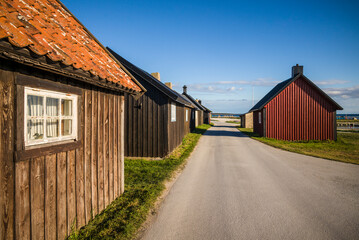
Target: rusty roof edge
(123,68)
(44,66)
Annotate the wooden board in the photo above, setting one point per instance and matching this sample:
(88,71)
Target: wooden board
(7,167)
(71,191)
(37,199)
(22,200)
(87,158)
(50,197)
(61,195)
(94,152)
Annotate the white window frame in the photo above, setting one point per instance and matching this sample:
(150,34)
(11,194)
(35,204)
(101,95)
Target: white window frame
(260,118)
(186,115)
(173,112)
(51,94)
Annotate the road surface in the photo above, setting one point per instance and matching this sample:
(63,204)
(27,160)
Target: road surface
(234,187)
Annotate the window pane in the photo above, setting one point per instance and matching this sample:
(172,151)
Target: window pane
(66,127)
(52,128)
(35,129)
(52,106)
(35,105)
(66,107)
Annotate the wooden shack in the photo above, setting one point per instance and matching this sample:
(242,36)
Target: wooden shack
(201,114)
(61,123)
(206,113)
(296,109)
(157,122)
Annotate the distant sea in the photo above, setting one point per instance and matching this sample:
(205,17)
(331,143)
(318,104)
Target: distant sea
(347,116)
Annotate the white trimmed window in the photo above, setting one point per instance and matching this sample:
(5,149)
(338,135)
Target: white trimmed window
(49,116)
(260,117)
(186,115)
(173,112)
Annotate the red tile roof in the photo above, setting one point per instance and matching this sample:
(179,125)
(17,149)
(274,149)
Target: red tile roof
(46,28)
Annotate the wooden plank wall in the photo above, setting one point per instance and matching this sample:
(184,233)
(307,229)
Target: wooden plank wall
(7,168)
(53,193)
(299,112)
(179,128)
(146,126)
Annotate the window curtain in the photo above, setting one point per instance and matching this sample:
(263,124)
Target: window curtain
(35,109)
(52,109)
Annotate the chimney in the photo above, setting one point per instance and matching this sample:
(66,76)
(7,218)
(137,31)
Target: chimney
(156,75)
(200,101)
(169,84)
(184,89)
(296,70)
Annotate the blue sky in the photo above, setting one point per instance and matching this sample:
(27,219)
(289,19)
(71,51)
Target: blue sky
(226,50)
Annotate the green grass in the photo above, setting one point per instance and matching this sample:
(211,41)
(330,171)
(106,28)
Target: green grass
(345,149)
(144,183)
(235,122)
(347,120)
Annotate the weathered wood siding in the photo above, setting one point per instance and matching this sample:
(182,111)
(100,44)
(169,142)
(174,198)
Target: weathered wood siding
(178,129)
(51,190)
(146,124)
(258,126)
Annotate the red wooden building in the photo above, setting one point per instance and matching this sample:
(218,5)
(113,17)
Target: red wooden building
(296,109)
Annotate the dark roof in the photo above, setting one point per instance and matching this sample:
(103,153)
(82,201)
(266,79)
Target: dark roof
(47,28)
(145,76)
(194,102)
(281,86)
(206,109)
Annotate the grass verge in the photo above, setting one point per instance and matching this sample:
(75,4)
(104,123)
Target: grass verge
(345,149)
(235,122)
(144,183)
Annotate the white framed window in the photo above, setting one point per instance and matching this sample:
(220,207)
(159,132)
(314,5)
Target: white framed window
(173,112)
(186,115)
(259,117)
(49,116)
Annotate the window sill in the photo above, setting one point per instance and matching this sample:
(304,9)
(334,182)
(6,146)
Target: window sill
(46,149)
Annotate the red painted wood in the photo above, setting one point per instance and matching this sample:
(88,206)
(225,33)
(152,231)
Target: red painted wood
(299,112)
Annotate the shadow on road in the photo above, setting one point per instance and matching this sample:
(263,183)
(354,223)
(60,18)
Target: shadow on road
(216,131)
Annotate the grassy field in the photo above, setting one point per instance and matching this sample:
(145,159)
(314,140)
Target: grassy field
(144,183)
(345,149)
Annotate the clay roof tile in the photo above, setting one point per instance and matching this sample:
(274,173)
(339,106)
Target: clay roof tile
(45,27)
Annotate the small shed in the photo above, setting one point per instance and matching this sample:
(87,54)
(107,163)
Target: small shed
(61,123)
(199,110)
(206,114)
(296,109)
(157,122)
(247,120)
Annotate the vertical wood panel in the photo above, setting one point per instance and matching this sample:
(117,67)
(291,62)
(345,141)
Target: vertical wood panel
(106,151)
(71,191)
(7,168)
(115,146)
(50,197)
(22,200)
(80,188)
(110,148)
(87,157)
(37,201)
(101,203)
(61,195)
(122,165)
(94,153)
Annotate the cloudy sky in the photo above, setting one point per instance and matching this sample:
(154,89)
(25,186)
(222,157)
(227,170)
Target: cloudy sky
(231,53)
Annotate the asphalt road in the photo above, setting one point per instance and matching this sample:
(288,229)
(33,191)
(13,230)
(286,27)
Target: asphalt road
(234,187)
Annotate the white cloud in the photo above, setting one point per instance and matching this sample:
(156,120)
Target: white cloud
(331,82)
(345,93)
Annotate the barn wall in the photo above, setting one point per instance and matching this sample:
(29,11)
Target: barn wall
(50,189)
(206,117)
(146,127)
(300,113)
